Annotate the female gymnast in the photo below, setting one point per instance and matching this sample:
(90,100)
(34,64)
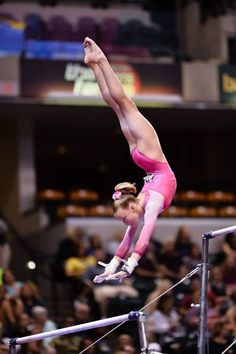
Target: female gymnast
(159,184)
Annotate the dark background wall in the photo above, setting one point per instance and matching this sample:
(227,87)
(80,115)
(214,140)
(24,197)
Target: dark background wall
(79,146)
(198,144)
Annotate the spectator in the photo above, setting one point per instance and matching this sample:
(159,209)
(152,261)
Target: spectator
(68,247)
(125,343)
(228,249)
(219,339)
(69,343)
(82,312)
(154,348)
(229,245)
(217,286)
(183,244)
(30,297)
(77,265)
(231,314)
(35,347)
(4,348)
(5,249)
(10,283)
(8,314)
(24,324)
(191,314)
(163,324)
(114,242)
(229,274)
(184,287)
(75,268)
(194,258)
(43,323)
(169,260)
(104,292)
(194,294)
(105,343)
(161,287)
(95,243)
(147,272)
(86,342)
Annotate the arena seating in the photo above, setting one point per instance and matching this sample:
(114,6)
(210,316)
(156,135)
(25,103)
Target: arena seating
(128,38)
(189,203)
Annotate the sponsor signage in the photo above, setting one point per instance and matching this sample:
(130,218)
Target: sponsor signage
(46,79)
(227,83)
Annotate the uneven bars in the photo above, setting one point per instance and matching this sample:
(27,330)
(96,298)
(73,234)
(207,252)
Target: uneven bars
(133,315)
(220,232)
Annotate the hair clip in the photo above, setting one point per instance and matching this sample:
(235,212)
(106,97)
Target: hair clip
(117,195)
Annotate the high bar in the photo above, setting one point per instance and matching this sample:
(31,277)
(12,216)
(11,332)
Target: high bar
(220,232)
(133,315)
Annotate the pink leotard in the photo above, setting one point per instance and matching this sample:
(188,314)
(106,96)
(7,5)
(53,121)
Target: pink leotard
(163,180)
(159,189)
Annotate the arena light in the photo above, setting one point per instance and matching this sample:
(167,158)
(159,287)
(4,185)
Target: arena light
(31,265)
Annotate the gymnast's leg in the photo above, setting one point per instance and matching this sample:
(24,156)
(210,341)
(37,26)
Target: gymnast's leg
(89,59)
(142,132)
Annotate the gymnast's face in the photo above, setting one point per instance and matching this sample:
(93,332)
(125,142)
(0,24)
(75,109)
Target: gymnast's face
(129,216)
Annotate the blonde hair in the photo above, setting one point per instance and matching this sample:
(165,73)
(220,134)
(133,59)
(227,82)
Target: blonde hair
(126,187)
(127,194)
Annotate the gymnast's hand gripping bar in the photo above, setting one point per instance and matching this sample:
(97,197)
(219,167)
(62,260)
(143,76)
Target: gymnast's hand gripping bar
(220,232)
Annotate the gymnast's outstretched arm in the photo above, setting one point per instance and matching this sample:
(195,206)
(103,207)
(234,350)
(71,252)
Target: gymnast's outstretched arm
(153,208)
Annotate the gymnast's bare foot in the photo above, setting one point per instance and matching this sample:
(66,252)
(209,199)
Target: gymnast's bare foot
(93,54)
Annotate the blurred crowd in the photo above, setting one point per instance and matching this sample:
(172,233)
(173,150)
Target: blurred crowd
(171,320)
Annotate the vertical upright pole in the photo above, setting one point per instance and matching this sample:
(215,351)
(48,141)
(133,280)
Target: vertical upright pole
(202,338)
(12,346)
(203,335)
(142,333)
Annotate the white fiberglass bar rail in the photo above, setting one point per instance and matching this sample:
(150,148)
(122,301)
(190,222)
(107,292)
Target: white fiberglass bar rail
(133,315)
(220,232)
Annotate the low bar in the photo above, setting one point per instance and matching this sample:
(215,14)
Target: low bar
(133,315)
(220,232)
